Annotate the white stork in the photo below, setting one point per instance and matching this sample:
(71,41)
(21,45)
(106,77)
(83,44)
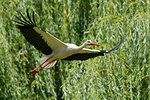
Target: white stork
(54,48)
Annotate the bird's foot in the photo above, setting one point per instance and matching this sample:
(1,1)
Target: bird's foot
(34,72)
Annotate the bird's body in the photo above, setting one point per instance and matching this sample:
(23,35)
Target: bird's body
(54,48)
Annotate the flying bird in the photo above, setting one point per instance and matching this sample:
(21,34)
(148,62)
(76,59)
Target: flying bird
(51,46)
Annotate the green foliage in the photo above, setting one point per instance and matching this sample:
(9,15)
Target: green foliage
(123,74)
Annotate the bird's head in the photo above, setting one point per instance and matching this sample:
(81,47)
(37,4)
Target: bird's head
(89,42)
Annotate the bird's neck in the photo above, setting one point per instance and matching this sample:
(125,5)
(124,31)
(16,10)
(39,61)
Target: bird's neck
(82,46)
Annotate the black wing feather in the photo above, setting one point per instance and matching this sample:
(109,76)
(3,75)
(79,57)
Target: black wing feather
(26,28)
(85,56)
(29,17)
(24,19)
(33,18)
(23,22)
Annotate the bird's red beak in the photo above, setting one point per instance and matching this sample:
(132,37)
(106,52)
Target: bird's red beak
(92,43)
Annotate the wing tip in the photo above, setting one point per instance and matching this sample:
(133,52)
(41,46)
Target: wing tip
(25,21)
(121,40)
(117,47)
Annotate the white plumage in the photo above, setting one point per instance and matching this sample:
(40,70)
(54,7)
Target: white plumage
(54,48)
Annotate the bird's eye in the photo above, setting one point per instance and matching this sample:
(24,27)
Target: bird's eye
(89,41)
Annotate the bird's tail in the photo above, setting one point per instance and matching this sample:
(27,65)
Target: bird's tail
(47,61)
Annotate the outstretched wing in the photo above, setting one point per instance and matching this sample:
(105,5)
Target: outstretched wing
(40,39)
(88,53)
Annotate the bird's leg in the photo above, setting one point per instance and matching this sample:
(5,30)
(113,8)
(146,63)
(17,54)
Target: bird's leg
(40,65)
(36,71)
